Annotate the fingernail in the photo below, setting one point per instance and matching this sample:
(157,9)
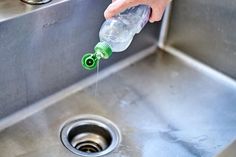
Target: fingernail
(151,21)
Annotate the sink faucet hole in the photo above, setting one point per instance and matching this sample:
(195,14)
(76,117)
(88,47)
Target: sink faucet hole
(90,136)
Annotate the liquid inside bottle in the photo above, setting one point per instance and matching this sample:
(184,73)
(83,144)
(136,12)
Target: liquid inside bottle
(118,32)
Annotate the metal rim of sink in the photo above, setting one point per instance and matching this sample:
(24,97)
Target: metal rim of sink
(90,136)
(36,2)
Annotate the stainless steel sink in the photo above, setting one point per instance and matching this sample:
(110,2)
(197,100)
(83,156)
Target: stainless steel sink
(162,106)
(166,102)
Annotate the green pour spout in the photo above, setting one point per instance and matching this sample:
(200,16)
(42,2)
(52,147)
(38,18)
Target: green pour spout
(101,51)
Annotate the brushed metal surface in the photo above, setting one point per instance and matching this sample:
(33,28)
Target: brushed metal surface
(10,9)
(41,47)
(162,106)
(206,31)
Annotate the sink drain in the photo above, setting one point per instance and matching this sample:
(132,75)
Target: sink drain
(90,136)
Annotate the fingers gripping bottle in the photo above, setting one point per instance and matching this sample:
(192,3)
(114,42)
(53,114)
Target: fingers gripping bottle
(116,34)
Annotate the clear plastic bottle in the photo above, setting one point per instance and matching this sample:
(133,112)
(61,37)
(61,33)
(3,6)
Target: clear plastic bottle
(117,33)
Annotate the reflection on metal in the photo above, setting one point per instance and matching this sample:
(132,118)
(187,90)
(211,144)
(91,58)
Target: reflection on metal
(165,26)
(36,2)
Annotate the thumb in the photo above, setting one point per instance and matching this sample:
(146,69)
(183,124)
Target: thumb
(157,13)
(118,6)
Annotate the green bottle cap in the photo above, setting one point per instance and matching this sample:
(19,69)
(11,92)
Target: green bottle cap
(90,60)
(104,49)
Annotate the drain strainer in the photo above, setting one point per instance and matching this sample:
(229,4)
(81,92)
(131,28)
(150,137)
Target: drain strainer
(90,136)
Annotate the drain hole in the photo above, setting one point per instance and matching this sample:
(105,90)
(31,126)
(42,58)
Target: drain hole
(90,136)
(88,147)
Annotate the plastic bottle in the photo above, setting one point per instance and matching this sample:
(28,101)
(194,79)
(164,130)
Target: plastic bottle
(116,34)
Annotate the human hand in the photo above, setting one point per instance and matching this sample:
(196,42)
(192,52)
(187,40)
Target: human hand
(157,6)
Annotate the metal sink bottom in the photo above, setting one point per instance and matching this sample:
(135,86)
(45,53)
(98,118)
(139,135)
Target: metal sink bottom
(162,106)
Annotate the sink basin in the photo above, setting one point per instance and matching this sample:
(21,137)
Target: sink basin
(162,106)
